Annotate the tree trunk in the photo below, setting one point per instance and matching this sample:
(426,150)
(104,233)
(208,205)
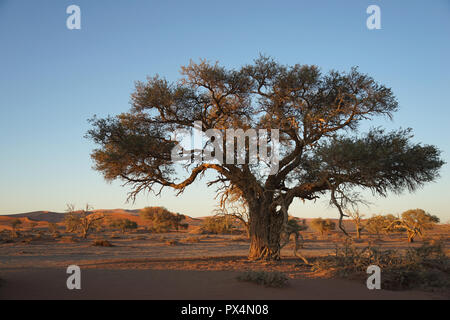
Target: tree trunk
(411,236)
(265,232)
(247,231)
(358,233)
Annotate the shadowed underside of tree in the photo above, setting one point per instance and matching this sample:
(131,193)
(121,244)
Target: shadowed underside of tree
(319,152)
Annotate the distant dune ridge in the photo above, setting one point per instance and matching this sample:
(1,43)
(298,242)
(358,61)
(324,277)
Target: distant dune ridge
(45,217)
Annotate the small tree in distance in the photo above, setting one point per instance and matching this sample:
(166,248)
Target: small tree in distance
(81,221)
(15,224)
(414,222)
(356,217)
(162,220)
(219,224)
(233,204)
(53,228)
(294,228)
(123,225)
(378,224)
(323,225)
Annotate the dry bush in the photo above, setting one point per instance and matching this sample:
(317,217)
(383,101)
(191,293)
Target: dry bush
(274,279)
(198,230)
(323,226)
(82,221)
(69,239)
(311,236)
(219,225)
(15,226)
(191,240)
(53,229)
(27,240)
(378,224)
(172,242)
(424,267)
(162,220)
(124,225)
(102,243)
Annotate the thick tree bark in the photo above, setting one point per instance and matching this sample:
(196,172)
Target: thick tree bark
(265,232)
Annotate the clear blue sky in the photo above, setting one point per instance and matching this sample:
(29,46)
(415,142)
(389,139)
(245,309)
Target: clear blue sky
(53,79)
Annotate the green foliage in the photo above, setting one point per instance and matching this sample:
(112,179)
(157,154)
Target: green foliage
(378,224)
(419,218)
(380,161)
(123,224)
(218,225)
(414,222)
(323,225)
(162,220)
(295,226)
(274,279)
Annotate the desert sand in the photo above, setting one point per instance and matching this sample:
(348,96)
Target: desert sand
(142,265)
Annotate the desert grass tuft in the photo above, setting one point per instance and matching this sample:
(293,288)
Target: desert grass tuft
(274,279)
(102,243)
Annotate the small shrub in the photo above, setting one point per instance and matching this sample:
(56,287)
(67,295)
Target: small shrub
(191,240)
(218,225)
(53,229)
(69,239)
(273,279)
(27,240)
(172,242)
(424,267)
(162,220)
(102,243)
(123,225)
(323,226)
(378,224)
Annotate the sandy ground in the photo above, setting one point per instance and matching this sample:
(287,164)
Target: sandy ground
(50,283)
(147,267)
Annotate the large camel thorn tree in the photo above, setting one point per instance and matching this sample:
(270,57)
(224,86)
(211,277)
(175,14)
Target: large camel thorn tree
(320,152)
